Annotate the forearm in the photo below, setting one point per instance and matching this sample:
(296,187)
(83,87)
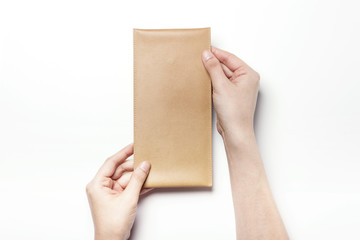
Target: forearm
(256,213)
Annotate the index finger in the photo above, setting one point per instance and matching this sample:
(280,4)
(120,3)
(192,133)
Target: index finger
(228,59)
(110,165)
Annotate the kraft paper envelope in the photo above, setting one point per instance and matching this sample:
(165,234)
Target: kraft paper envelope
(172,106)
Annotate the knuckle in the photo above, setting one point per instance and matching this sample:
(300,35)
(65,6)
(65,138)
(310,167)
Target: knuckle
(257,76)
(111,160)
(212,62)
(139,175)
(88,188)
(254,77)
(108,182)
(239,72)
(120,169)
(229,57)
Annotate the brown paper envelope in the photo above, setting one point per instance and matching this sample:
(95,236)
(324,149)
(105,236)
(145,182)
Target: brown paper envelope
(172,106)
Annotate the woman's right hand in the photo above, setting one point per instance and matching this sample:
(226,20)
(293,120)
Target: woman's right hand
(235,88)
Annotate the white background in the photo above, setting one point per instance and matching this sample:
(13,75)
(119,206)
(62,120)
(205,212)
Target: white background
(66,105)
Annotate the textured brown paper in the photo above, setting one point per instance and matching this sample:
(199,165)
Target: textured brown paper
(172,106)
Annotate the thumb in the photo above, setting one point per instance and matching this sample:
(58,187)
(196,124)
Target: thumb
(214,68)
(138,178)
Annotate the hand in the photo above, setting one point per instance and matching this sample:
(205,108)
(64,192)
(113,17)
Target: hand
(113,195)
(235,88)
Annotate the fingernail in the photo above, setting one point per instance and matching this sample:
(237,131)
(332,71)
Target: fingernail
(207,55)
(145,166)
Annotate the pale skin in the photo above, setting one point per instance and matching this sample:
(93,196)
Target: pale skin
(114,192)
(235,89)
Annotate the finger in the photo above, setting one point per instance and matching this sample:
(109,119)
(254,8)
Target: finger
(126,166)
(124,179)
(110,165)
(214,68)
(228,59)
(145,190)
(138,178)
(117,187)
(227,71)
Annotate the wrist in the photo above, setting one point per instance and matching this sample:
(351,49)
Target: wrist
(104,235)
(239,142)
(238,136)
